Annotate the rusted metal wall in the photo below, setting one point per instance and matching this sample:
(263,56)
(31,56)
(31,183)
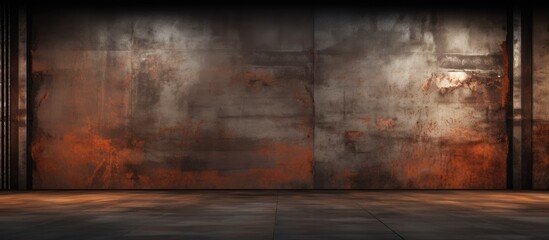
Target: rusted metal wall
(208,98)
(172,99)
(410,99)
(540,143)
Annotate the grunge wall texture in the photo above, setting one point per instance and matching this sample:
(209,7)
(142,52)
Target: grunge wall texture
(269,98)
(540,142)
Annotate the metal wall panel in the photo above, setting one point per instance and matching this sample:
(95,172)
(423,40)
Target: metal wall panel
(243,98)
(410,99)
(172,99)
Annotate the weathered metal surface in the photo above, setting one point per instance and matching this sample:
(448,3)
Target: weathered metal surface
(540,143)
(410,99)
(224,99)
(172,99)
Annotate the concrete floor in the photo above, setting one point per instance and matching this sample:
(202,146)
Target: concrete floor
(274,215)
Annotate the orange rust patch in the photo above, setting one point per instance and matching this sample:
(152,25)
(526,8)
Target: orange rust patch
(470,164)
(479,165)
(505,85)
(292,166)
(39,66)
(366,120)
(293,163)
(465,134)
(384,124)
(426,85)
(259,77)
(425,130)
(305,124)
(84,159)
(457,160)
(302,98)
(353,136)
(348,175)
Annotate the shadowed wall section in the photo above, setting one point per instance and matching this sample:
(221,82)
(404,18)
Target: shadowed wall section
(540,142)
(224,99)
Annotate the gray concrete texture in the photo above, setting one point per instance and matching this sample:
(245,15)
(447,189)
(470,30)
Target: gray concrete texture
(256,98)
(271,214)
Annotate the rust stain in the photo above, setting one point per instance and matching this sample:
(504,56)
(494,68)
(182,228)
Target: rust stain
(43,99)
(462,158)
(465,134)
(384,124)
(348,177)
(461,166)
(305,124)
(505,85)
(39,66)
(352,136)
(152,64)
(293,162)
(426,130)
(259,77)
(292,167)
(304,99)
(366,120)
(85,159)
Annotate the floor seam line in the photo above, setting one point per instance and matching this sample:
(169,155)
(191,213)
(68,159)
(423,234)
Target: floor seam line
(379,220)
(276,213)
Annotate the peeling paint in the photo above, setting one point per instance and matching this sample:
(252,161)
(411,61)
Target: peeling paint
(449,81)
